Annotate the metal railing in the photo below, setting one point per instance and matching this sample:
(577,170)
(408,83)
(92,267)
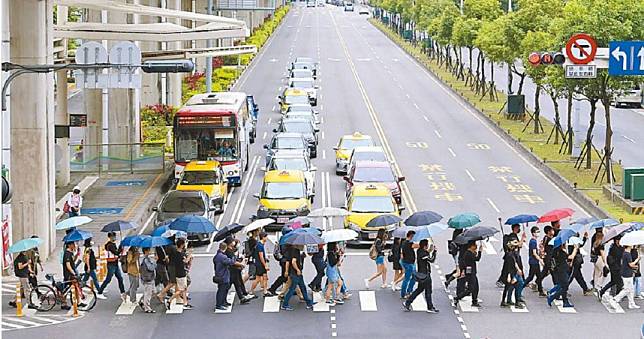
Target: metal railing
(122,158)
(245,4)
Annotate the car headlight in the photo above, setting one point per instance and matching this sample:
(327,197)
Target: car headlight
(354,227)
(262,208)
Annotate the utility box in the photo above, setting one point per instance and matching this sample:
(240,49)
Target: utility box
(407,34)
(628,173)
(637,187)
(516,106)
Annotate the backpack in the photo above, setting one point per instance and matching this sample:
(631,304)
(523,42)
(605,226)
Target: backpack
(148,269)
(123,261)
(373,252)
(277,252)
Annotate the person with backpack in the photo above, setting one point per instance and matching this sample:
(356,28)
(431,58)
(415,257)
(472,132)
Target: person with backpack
(453,249)
(614,259)
(148,269)
(408,261)
(468,282)
(113,270)
(334,282)
(279,254)
(425,257)
(89,261)
(507,238)
(236,271)
(317,259)
(576,268)
(132,264)
(22,269)
(560,272)
(261,264)
(377,253)
(249,253)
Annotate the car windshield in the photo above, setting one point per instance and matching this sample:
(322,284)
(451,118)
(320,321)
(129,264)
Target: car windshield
(288,143)
(300,108)
(302,84)
(296,99)
(301,73)
(283,190)
(199,178)
(373,156)
(298,127)
(183,204)
(288,164)
(303,65)
(373,174)
(353,143)
(372,205)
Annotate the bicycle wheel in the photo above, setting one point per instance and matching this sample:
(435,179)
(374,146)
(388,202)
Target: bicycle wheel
(86,299)
(43,297)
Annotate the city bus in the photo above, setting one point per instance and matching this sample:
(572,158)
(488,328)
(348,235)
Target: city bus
(214,126)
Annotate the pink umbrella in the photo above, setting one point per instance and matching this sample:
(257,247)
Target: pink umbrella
(297,224)
(556,215)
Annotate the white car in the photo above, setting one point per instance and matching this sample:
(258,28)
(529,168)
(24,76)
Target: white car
(302,111)
(348,7)
(363,10)
(294,160)
(631,97)
(305,63)
(366,153)
(301,73)
(308,85)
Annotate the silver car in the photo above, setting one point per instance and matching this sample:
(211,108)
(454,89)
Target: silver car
(179,203)
(308,85)
(282,141)
(294,160)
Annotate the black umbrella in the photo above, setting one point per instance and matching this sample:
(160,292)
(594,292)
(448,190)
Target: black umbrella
(304,238)
(118,226)
(474,234)
(227,230)
(384,220)
(423,218)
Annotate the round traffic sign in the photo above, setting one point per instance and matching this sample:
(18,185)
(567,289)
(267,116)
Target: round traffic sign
(581,48)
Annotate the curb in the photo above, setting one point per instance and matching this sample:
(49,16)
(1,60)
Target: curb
(562,183)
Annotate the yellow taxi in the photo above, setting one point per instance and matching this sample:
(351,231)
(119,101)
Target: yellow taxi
(344,148)
(207,176)
(283,196)
(366,202)
(292,96)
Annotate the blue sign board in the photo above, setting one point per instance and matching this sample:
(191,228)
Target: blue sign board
(626,58)
(99,210)
(117,183)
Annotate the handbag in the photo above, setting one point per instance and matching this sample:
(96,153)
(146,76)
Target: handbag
(390,257)
(420,276)
(66,207)
(593,258)
(217,280)
(252,271)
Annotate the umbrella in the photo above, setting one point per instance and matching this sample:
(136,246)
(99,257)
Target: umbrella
(575,241)
(77,235)
(149,241)
(604,223)
(635,226)
(24,245)
(556,215)
(173,233)
(429,231)
(127,241)
(304,238)
(423,218)
(309,230)
(296,225)
(227,230)
(339,235)
(257,224)
(328,212)
(585,221)
(401,232)
(384,220)
(160,230)
(73,222)
(521,219)
(633,238)
(576,227)
(118,226)
(463,220)
(193,224)
(301,219)
(562,237)
(475,233)
(615,231)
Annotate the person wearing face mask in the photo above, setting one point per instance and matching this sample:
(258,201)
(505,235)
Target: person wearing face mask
(74,202)
(89,259)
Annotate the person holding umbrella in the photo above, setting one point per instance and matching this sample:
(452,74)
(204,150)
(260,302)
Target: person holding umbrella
(280,254)
(627,272)
(407,262)
(510,274)
(395,261)
(295,266)
(334,282)
(425,258)
(148,272)
(22,269)
(561,271)
(261,264)
(548,249)
(133,273)
(113,270)
(514,235)
(236,271)
(467,275)
(221,264)
(381,269)
(614,261)
(456,252)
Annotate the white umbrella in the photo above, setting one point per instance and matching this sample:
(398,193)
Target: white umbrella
(257,224)
(575,241)
(73,222)
(328,212)
(632,238)
(339,235)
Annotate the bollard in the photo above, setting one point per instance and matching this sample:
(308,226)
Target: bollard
(19,300)
(74,302)
(102,269)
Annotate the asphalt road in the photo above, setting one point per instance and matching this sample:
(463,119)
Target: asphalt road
(453,162)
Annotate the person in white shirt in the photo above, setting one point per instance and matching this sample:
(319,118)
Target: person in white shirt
(75,202)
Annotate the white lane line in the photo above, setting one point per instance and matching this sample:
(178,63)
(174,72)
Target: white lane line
(127,308)
(470,175)
(466,305)
(368,301)
(419,304)
(321,305)
(488,248)
(175,308)
(322,135)
(239,201)
(612,306)
(271,304)
(5,323)
(147,222)
(273,109)
(264,135)
(493,205)
(407,95)
(321,107)
(22,321)
(220,218)
(323,200)
(451,151)
(250,182)
(230,298)
(629,139)
(562,309)
(416,105)
(328,196)
(269,120)
(438,134)
(519,310)
(426,118)
(323,154)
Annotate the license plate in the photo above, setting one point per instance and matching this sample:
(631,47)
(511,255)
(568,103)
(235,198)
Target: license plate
(282,220)
(372,235)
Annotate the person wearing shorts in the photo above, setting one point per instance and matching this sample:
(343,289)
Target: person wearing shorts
(334,282)
(381,269)
(179,260)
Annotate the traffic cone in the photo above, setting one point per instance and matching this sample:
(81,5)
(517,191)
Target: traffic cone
(19,312)
(74,302)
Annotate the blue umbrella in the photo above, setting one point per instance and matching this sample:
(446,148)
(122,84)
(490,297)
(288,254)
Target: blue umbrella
(463,220)
(562,237)
(576,227)
(521,219)
(636,226)
(77,235)
(129,240)
(154,242)
(24,245)
(160,230)
(585,221)
(118,226)
(308,230)
(429,231)
(423,218)
(73,222)
(193,224)
(304,238)
(604,223)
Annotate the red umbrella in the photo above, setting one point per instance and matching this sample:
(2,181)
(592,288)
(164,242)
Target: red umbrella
(556,215)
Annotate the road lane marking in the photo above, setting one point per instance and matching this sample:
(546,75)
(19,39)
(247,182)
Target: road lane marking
(328,196)
(426,118)
(612,306)
(416,105)
(451,151)
(174,308)
(321,305)
(488,248)
(493,205)
(562,309)
(322,135)
(271,305)
(250,182)
(230,298)
(323,200)
(220,218)
(269,120)
(438,134)
(323,154)
(368,301)
(407,95)
(629,139)
(127,308)
(273,109)
(419,304)
(264,135)
(470,175)
(239,201)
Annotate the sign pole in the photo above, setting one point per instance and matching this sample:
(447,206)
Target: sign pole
(576,148)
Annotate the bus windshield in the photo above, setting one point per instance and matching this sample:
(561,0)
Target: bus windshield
(198,143)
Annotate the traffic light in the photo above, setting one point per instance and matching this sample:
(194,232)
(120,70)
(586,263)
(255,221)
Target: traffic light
(167,66)
(6,191)
(546,58)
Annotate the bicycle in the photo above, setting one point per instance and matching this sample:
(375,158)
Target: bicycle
(45,297)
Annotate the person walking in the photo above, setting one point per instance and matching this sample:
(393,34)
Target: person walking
(279,254)
(511,274)
(394,258)
(317,259)
(249,253)
(514,235)
(133,273)
(74,202)
(179,261)
(408,261)
(166,254)
(534,258)
(261,264)
(576,268)
(455,251)
(236,271)
(69,271)
(627,272)
(561,274)
(148,268)
(424,259)
(381,269)
(614,260)
(89,263)
(295,266)
(334,282)
(637,275)
(549,233)
(598,258)
(222,265)
(34,255)
(467,271)
(22,270)
(113,252)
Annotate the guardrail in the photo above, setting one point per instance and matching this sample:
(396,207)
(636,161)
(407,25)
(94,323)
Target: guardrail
(117,158)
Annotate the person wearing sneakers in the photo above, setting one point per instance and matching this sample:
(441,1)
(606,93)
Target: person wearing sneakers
(425,258)
(133,272)
(334,282)
(295,266)
(113,269)
(381,269)
(534,258)
(628,269)
(148,269)
(180,259)
(407,261)
(394,258)
(561,273)
(468,282)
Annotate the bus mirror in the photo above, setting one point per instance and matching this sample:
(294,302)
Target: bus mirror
(256,195)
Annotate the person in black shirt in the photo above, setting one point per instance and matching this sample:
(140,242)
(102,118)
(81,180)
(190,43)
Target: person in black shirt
(113,270)
(629,265)
(560,273)
(509,275)
(22,270)
(576,268)
(69,269)
(395,260)
(549,233)
(514,235)
(169,252)
(454,250)
(236,271)
(425,258)
(317,259)
(280,256)
(295,267)
(467,269)
(407,262)
(179,259)
(89,261)
(614,260)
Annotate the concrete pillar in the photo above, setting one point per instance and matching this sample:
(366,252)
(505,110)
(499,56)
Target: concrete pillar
(150,83)
(93,107)
(62,115)
(32,123)
(174,79)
